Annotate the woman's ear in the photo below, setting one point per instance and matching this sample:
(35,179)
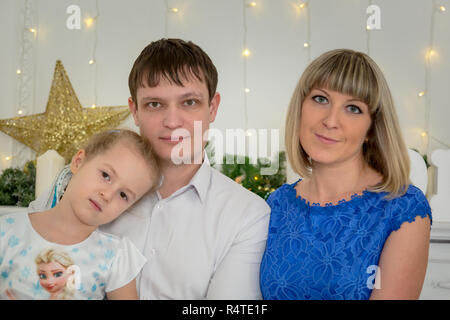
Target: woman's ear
(77,160)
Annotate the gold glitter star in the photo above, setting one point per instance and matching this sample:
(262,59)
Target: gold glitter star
(65,124)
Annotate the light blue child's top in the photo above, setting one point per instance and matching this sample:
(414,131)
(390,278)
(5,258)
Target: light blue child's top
(101,263)
(331,252)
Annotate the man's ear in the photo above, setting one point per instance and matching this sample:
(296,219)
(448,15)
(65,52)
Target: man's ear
(133,110)
(77,161)
(213,106)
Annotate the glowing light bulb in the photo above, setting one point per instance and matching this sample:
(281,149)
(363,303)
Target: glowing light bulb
(7,158)
(430,53)
(368,28)
(19,112)
(91,61)
(306,44)
(246,52)
(32,30)
(93,106)
(442,8)
(423,134)
(421,93)
(174,10)
(18,71)
(252,4)
(247,90)
(89,21)
(302,5)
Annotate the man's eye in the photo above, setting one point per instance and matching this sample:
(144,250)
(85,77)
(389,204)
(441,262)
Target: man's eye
(124,196)
(320,99)
(354,109)
(190,103)
(154,104)
(106,176)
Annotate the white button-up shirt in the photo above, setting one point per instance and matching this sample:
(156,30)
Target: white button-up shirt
(205,241)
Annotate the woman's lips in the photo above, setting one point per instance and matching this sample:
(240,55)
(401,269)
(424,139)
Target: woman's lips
(325,139)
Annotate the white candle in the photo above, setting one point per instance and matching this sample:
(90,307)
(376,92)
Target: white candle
(47,168)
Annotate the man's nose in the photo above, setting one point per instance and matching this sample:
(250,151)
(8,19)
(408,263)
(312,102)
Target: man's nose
(172,117)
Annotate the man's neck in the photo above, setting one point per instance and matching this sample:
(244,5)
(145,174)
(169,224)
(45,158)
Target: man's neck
(176,177)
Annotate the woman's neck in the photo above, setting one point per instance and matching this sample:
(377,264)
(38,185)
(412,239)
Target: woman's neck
(334,183)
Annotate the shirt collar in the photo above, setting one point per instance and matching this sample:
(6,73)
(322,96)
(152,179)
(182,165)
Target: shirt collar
(201,179)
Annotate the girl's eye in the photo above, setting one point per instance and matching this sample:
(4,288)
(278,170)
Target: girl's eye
(106,176)
(354,109)
(124,196)
(320,99)
(154,104)
(190,103)
(42,276)
(58,274)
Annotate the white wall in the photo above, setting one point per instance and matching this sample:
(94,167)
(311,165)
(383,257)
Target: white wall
(276,31)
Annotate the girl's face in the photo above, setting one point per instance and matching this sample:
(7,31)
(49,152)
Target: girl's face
(52,276)
(106,185)
(333,127)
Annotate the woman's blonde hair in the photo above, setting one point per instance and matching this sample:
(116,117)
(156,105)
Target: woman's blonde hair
(55,255)
(105,140)
(355,74)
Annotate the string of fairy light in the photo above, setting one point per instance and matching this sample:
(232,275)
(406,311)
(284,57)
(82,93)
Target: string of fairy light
(302,7)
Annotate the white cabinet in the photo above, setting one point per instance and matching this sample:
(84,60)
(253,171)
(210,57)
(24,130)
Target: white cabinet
(437,280)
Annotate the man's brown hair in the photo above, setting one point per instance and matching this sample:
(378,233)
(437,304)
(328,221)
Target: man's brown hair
(176,61)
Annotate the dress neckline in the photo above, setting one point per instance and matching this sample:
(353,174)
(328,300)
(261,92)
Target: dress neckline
(353,198)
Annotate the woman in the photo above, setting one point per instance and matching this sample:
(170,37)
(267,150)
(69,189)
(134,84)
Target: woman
(339,232)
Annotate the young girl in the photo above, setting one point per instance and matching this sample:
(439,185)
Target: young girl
(74,259)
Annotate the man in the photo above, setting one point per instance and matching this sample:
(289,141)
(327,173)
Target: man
(202,233)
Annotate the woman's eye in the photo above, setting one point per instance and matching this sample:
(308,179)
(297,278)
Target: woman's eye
(58,274)
(190,103)
(106,176)
(320,99)
(42,276)
(354,109)
(154,105)
(124,196)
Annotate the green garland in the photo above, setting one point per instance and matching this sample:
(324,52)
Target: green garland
(17,187)
(249,175)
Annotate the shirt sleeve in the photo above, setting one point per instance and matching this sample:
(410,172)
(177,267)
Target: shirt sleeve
(409,206)
(126,265)
(237,276)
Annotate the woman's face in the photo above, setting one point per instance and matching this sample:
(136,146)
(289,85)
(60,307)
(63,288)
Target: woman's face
(52,276)
(333,127)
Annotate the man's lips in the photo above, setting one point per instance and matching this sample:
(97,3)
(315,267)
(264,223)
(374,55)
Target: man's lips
(326,140)
(173,140)
(95,205)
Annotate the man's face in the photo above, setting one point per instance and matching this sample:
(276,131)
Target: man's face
(167,112)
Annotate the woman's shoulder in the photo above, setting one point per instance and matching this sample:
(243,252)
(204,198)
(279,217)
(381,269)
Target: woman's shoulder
(285,193)
(408,206)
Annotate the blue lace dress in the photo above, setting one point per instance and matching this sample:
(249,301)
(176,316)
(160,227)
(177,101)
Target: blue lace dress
(330,252)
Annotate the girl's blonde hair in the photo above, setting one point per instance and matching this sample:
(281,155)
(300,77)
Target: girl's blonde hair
(355,74)
(104,141)
(55,255)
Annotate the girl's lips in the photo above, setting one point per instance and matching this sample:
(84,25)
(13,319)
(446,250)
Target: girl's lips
(95,205)
(326,140)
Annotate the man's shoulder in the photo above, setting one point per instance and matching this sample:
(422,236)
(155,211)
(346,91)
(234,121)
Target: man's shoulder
(225,186)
